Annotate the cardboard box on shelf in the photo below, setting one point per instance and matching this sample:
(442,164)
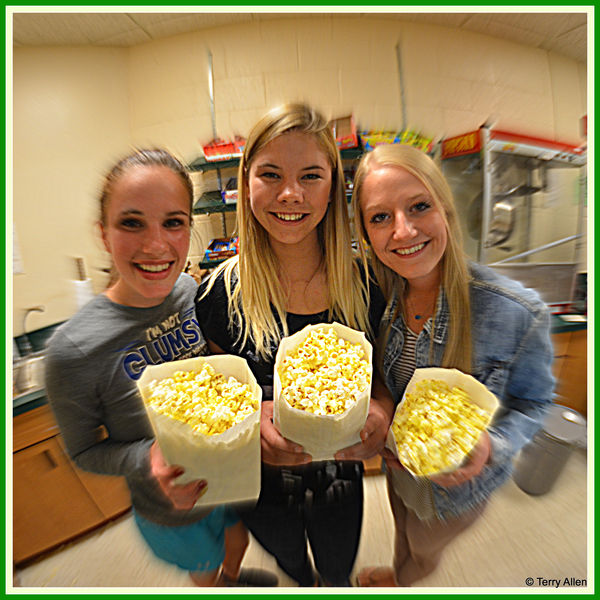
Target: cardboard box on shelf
(230,193)
(370,139)
(344,131)
(220,248)
(224,150)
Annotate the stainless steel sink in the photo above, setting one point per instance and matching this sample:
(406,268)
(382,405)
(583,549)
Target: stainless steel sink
(28,373)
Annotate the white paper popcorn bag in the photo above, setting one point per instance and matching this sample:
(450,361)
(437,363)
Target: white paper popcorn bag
(321,388)
(228,461)
(439,420)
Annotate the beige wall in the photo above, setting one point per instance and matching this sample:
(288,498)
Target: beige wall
(77,109)
(70,120)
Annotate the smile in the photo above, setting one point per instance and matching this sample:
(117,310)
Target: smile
(411,250)
(290,216)
(153,268)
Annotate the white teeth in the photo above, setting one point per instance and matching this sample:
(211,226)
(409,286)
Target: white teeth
(289,217)
(412,250)
(154,268)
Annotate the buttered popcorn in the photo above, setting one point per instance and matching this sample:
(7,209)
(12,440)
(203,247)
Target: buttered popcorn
(325,374)
(436,427)
(205,400)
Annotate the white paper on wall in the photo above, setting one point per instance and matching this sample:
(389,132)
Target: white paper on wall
(18,268)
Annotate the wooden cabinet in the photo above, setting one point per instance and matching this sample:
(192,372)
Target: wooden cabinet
(570,369)
(53,500)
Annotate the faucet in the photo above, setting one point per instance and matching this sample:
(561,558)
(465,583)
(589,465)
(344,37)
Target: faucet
(27,347)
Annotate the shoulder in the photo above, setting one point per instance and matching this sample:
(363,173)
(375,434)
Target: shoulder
(185,288)
(93,323)
(492,288)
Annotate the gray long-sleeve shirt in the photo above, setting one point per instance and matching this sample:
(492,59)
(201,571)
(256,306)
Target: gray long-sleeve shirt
(92,366)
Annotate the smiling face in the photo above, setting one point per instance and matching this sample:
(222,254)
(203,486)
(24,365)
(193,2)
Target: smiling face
(289,187)
(405,227)
(147,233)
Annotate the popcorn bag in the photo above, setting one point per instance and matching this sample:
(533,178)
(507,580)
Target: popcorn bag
(322,435)
(228,461)
(455,420)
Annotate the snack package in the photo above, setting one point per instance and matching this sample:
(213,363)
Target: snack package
(439,420)
(230,460)
(318,404)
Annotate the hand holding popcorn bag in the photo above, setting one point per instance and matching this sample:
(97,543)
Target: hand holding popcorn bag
(208,423)
(322,387)
(439,420)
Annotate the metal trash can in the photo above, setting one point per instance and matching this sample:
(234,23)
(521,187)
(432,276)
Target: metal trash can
(540,462)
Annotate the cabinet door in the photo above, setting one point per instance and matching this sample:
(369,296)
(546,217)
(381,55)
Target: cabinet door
(50,505)
(560,343)
(572,384)
(110,494)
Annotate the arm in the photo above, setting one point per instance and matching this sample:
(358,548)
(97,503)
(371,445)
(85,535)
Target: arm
(184,496)
(277,450)
(79,412)
(528,392)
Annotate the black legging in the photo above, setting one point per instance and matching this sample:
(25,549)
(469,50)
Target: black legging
(321,502)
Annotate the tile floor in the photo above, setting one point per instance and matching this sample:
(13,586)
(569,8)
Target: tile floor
(521,536)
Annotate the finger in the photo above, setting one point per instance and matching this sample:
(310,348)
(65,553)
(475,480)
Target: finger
(285,458)
(184,497)
(277,442)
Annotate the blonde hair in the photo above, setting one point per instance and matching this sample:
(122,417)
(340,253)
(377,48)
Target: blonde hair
(256,290)
(455,274)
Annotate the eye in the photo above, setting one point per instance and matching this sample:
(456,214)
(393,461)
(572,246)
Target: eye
(131,223)
(175,222)
(378,218)
(312,176)
(421,206)
(269,175)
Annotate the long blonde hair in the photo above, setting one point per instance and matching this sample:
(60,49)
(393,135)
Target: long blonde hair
(251,278)
(455,274)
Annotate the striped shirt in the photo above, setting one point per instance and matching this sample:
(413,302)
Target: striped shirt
(416,493)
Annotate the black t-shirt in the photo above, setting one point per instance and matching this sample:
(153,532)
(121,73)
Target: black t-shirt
(212,315)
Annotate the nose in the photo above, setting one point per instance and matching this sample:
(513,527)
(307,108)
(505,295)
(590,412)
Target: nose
(404,228)
(155,240)
(290,191)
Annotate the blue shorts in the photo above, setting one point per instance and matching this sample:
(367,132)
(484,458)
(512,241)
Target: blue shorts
(199,546)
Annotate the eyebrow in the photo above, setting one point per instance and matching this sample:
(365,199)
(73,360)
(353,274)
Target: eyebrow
(135,211)
(274,166)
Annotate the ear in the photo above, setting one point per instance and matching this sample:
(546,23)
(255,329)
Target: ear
(104,237)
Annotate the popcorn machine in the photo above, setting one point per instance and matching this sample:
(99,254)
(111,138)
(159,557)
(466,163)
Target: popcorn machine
(520,202)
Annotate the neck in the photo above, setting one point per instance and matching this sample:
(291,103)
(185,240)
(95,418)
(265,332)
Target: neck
(302,277)
(299,263)
(420,300)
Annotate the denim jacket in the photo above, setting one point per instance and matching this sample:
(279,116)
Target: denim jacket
(512,357)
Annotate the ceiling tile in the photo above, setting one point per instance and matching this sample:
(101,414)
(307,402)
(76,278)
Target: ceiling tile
(563,32)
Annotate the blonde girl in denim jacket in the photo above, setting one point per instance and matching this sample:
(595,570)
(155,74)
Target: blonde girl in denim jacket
(445,311)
